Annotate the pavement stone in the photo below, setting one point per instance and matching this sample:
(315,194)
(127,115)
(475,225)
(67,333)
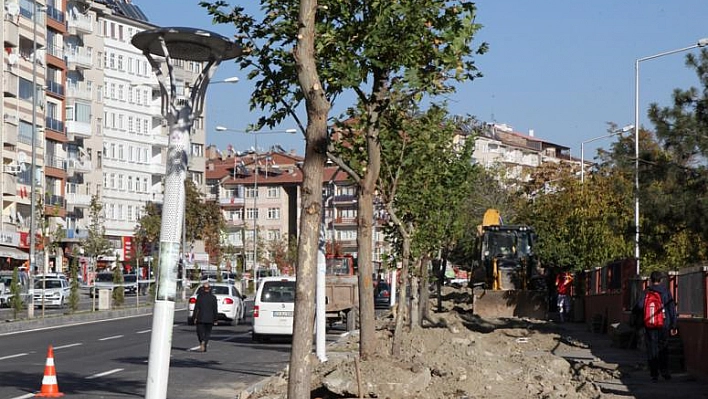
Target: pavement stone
(634,380)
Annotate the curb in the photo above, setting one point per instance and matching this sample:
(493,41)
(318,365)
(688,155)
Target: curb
(13,327)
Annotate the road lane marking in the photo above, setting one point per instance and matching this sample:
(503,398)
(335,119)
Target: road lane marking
(13,356)
(67,346)
(144,331)
(29,395)
(109,338)
(105,373)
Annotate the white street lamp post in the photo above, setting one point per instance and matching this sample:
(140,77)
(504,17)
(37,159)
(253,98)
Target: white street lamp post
(582,147)
(701,43)
(209,49)
(255,134)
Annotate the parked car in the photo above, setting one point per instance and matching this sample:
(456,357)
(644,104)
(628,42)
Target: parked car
(51,292)
(6,287)
(382,295)
(104,281)
(274,307)
(230,300)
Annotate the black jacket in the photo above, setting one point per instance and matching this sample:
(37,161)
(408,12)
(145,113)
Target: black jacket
(206,309)
(666,299)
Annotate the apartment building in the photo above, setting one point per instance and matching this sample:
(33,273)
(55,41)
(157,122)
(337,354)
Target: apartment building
(99,126)
(260,196)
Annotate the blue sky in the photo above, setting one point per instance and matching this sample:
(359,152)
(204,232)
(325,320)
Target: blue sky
(560,68)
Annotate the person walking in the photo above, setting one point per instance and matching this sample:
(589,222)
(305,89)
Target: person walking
(206,311)
(657,310)
(564,283)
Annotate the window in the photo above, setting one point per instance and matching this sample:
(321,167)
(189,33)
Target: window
(120,152)
(273,192)
(120,122)
(273,213)
(99,94)
(112,181)
(130,124)
(273,235)
(145,126)
(112,61)
(82,113)
(130,65)
(113,151)
(120,62)
(145,185)
(113,91)
(251,192)
(146,97)
(130,94)
(120,182)
(120,92)
(130,184)
(252,213)
(130,213)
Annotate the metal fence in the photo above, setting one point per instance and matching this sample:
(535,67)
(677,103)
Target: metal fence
(691,293)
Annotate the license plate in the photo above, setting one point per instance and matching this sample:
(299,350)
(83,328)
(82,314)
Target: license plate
(282,314)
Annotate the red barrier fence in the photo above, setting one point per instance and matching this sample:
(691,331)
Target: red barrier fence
(605,295)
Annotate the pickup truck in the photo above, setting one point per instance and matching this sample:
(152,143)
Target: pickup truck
(342,291)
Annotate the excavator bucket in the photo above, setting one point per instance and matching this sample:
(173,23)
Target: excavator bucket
(510,303)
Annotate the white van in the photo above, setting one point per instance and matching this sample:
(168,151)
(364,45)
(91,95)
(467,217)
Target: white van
(274,307)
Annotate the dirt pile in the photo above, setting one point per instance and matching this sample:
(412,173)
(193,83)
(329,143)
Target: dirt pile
(461,356)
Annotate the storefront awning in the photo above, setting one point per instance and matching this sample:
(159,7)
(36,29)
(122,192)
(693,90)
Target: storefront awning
(14,253)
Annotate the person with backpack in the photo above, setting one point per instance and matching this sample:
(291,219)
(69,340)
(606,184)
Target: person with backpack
(657,309)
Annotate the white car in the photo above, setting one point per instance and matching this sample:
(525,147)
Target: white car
(229,299)
(274,307)
(53,291)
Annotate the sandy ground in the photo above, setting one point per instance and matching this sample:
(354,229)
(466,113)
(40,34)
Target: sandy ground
(461,356)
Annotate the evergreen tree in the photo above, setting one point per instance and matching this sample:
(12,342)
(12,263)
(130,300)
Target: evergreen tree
(16,302)
(118,289)
(74,296)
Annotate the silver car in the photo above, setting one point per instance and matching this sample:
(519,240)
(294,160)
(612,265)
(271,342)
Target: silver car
(51,291)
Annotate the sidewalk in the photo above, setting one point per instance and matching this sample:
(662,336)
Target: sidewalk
(628,375)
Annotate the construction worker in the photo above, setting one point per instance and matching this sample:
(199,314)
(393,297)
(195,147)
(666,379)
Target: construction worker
(564,283)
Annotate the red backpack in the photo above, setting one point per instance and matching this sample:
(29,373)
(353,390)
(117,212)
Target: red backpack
(653,310)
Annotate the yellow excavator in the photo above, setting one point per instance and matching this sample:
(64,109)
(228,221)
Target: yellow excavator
(507,279)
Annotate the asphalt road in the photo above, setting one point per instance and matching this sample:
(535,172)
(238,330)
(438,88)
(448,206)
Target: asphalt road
(108,359)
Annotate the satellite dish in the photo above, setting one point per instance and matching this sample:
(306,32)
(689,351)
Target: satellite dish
(21,157)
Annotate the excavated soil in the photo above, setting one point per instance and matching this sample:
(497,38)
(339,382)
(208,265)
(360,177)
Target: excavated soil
(459,356)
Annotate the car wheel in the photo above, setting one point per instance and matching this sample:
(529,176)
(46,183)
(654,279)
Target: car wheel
(190,321)
(256,337)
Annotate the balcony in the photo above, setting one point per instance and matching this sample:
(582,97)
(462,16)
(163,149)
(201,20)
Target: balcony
(78,91)
(232,201)
(345,221)
(10,130)
(11,35)
(78,57)
(78,23)
(78,166)
(54,200)
(78,129)
(78,200)
(77,234)
(54,124)
(9,182)
(55,14)
(55,88)
(10,84)
(156,168)
(55,162)
(345,199)
(159,140)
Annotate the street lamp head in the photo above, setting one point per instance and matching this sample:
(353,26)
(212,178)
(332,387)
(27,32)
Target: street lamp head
(291,131)
(702,42)
(232,79)
(627,128)
(221,128)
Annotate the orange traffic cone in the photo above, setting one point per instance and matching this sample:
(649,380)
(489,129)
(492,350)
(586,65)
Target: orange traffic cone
(50,388)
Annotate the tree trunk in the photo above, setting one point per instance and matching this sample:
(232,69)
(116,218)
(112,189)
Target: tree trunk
(424,291)
(415,313)
(367,337)
(402,300)
(317,108)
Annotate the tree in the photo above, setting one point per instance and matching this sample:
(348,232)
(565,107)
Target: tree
(360,46)
(424,181)
(74,297)
(16,302)
(96,244)
(118,293)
